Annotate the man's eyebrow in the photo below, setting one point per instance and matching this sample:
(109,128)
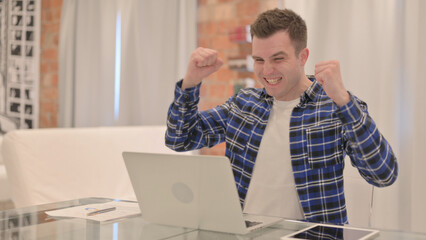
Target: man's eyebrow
(279,53)
(273,55)
(255,57)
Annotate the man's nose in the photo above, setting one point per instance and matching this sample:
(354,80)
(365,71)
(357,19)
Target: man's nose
(267,68)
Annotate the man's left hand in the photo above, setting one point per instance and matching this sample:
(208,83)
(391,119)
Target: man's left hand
(328,75)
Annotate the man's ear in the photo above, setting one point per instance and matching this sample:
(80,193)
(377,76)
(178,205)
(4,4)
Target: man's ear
(303,56)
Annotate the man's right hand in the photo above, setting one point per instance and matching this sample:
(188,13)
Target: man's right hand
(202,63)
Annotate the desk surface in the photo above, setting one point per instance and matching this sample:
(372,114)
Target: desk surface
(33,223)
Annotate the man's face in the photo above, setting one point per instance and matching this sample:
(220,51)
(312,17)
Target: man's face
(277,66)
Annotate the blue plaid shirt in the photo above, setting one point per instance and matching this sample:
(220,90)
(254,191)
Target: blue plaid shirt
(321,134)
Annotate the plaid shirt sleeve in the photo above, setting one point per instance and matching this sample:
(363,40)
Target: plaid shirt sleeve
(367,148)
(188,129)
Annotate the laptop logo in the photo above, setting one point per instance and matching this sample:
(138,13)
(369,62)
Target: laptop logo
(182,192)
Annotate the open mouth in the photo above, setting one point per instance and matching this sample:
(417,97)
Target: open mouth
(273,81)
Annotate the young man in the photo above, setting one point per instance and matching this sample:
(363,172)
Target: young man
(287,141)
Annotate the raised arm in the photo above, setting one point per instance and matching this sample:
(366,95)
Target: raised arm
(187,128)
(368,149)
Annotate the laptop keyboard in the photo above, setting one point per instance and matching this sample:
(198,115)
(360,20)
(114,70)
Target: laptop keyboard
(251,224)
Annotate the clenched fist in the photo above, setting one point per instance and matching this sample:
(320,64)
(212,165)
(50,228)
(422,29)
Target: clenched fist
(202,63)
(328,75)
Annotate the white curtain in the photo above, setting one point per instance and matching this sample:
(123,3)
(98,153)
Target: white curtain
(381,47)
(157,37)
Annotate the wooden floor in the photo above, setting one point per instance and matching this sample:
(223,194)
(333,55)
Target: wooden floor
(6,204)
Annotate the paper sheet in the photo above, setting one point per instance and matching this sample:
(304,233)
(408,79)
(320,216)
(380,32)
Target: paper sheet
(123,209)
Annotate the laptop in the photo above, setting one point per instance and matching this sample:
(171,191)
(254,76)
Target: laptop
(193,191)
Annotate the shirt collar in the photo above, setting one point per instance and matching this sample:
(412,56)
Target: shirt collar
(312,92)
(266,96)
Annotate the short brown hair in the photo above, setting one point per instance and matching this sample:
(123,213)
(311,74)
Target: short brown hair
(272,21)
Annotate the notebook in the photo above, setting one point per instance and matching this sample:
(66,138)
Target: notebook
(193,191)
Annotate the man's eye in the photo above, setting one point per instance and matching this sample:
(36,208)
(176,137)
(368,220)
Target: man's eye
(258,60)
(278,59)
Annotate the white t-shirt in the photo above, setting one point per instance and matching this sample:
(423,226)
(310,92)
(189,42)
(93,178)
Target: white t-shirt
(272,190)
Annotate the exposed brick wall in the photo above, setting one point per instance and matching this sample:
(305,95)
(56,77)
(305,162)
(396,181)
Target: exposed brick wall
(49,40)
(216,19)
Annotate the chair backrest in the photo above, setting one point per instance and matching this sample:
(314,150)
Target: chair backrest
(50,165)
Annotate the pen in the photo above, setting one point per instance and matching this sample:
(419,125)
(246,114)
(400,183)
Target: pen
(101,211)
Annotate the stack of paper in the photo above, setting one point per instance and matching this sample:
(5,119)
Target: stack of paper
(107,211)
